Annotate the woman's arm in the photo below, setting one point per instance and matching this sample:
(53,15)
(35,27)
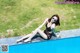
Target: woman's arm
(42,24)
(53,26)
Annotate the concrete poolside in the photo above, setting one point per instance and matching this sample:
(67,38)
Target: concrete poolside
(63,34)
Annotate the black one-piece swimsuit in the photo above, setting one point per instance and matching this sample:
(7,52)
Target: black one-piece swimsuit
(49,32)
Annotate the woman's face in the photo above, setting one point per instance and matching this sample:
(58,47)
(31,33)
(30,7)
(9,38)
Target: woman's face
(54,19)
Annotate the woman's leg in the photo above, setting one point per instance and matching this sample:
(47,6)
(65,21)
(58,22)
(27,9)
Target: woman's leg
(23,38)
(42,34)
(31,36)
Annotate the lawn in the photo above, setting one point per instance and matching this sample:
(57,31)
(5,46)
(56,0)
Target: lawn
(23,16)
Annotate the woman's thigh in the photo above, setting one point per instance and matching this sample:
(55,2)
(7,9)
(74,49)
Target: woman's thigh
(42,34)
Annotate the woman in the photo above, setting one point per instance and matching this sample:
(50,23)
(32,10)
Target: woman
(50,24)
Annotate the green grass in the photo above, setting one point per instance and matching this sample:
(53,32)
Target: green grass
(23,16)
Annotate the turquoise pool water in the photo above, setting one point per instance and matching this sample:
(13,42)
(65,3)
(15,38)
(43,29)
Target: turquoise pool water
(67,45)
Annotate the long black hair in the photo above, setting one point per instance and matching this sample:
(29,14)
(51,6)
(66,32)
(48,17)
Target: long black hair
(57,22)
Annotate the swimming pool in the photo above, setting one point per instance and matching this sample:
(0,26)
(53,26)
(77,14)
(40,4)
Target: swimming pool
(67,45)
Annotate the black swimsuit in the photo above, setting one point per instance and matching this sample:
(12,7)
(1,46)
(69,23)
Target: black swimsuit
(49,32)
